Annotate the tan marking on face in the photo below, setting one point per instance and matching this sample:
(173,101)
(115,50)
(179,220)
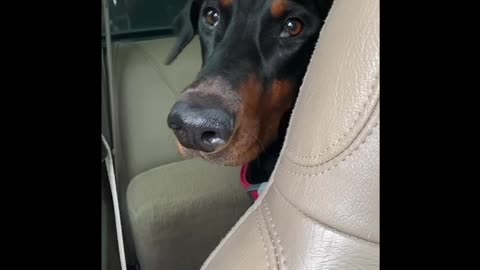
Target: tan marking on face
(275,103)
(182,150)
(226,3)
(278,8)
(257,122)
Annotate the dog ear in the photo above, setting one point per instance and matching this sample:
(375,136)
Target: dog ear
(185,26)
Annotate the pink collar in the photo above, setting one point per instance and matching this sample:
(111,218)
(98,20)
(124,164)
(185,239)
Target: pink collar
(245,183)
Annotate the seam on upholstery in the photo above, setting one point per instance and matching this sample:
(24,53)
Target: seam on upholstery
(328,160)
(257,219)
(250,211)
(282,255)
(327,227)
(345,158)
(340,139)
(147,56)
(274,246)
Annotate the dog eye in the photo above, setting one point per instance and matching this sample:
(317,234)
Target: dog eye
(292,28)
(211,16)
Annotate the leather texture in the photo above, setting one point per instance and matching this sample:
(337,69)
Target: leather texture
(321,208)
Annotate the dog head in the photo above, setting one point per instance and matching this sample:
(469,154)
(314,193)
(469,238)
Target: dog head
(254,56)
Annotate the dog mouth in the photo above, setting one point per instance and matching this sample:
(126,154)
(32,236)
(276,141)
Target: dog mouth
(243,147)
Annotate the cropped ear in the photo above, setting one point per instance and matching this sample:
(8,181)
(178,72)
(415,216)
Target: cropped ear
(185,26)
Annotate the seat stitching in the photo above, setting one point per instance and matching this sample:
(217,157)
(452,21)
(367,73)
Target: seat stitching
(327,227)
(283,258)
(324,162)
(345,158)
(360,112)
(275,251)
(257,219)
(147,56)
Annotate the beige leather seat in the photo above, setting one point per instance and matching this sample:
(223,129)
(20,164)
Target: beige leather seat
(321,210)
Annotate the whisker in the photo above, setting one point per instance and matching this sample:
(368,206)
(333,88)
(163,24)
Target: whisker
(258,140)
(260,143)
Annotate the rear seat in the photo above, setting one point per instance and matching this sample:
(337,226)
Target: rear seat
(178,210)
(147,90)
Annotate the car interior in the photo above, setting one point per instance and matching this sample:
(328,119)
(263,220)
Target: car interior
(320,209)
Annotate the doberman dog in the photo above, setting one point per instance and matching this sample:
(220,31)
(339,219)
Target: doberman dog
(254,56)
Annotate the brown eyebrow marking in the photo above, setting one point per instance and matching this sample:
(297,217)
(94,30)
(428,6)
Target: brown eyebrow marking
(278,8)
(226,3)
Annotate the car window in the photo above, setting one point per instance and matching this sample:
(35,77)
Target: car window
(138,19)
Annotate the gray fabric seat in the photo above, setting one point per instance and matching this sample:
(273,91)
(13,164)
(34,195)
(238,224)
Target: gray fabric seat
(147,89)
(180,211)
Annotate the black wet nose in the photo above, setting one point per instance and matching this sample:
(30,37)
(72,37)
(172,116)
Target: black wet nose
(204,129)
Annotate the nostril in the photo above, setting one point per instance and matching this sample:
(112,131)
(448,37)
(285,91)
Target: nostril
(179,132)
(174,121)
(211,138)
(199,127)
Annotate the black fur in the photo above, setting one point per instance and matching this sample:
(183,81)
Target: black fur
(246,41)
